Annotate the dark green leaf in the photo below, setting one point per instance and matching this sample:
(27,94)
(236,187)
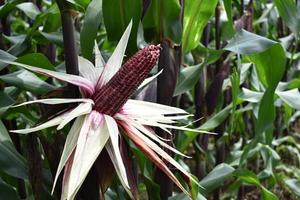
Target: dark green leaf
(245,42)
(182,196)
(8,7)
(251,178)
(27,81)
(89,29)
(162,19)
(209,55)
(11,162)
(29,9)
(36,59)
(5,102)
(7,191)
(216,177)
(55,37)
(216,119)
(117,15)
(15,39)
(5,56)
(188,77)
(248,177)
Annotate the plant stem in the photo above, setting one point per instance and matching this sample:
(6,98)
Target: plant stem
(69,43)
(70,52)
(166,83)
(34,165)
(242,7)
(218,27)
(218,34)
(199,99)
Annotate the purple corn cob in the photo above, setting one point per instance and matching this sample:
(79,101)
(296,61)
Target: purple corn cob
(111,97)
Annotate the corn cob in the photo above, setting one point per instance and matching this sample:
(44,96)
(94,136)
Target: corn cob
(112,96)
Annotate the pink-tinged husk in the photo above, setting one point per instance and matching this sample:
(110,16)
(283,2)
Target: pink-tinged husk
(151,155)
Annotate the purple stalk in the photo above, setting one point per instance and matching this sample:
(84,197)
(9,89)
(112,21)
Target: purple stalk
(166,83)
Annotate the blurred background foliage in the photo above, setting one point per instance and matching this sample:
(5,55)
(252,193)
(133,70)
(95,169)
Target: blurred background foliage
(234,64)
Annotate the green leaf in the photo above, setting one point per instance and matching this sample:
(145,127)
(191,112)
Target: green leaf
(83,3)
(36,59)
(194,188)
(18,48)
(294,185)
(290,14)
(228,9)
(245,43)
(5,56)
(188,77)
(251,96)
(117,14)
(196,15)
(92,20)
(5,102)
(248,177)
(4,136)
(11,162)
(216,177)
(268,195)
(251,178)
(210,55)
(270,65)
(266,112)
(182,196)
(216,119)
(235,85)
(290,97)
(8,7)
(269,59)
(55,37)
(27,81)
(7,191)
(30,9)
(53,21)
(16,39)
